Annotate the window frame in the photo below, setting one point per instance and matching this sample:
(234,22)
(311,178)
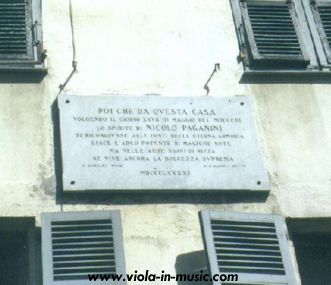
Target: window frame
(281,230)
(47,260)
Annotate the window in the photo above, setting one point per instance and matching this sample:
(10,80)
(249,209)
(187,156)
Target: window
(254,246)
(21,35)
(75,244)
(274,35)
(17,251)
(312,242)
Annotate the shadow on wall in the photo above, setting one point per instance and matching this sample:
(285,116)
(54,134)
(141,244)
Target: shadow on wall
(141,197)
(134,197)
(285,77)
(192,263)
(28,76)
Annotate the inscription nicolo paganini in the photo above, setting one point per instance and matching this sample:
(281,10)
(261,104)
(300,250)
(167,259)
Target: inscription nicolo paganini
(168,139)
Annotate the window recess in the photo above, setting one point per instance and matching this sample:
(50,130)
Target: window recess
(18,251)
(75,244)
(312,242)
(254,246)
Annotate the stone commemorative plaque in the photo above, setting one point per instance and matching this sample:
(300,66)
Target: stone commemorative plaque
(159,143)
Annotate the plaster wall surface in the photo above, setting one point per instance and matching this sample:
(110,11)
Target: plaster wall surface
(169,48)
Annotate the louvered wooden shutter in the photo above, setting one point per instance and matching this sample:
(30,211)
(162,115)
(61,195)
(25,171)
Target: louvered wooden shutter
(254,246)
(273,35)
(322,14)
(75,244)
(16,30)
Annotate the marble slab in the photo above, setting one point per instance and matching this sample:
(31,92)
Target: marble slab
(160,143)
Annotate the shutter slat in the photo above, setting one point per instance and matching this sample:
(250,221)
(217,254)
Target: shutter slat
(272,52)
(76,276)
(248,240)
(81,265)
(81,236)
(234,269)
(80,227)
(78,223)
(245,233)
(84,252)
(251,228)
(252,263)
(79,240)
(85,270)
(272,40)
(265,247)
(57,232)
(276,37)
(77,255)
(87,247)
(10,41)
(73,275)
(234,256)
(247,251)
(82,259)
(86,244)
(269,19)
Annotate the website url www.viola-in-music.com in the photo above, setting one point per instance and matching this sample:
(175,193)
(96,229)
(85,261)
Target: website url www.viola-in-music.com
(164,277)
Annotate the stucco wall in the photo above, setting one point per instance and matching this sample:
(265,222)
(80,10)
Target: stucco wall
(170,48)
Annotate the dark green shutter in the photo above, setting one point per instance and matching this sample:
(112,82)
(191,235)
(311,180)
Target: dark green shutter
(273,34)
(16,30)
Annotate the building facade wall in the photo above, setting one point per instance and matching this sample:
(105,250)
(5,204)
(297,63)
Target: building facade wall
(167,48)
